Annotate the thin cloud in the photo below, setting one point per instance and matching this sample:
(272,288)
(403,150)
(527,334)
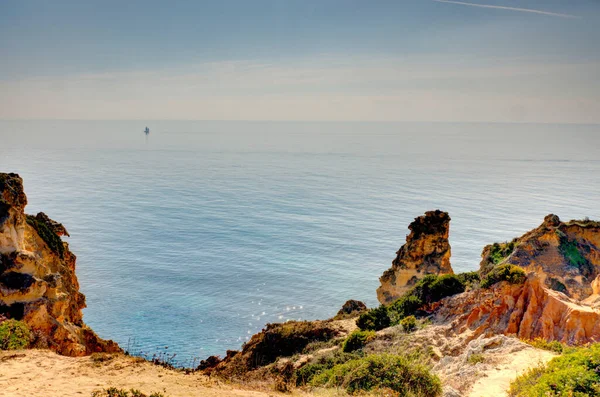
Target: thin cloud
(552,14)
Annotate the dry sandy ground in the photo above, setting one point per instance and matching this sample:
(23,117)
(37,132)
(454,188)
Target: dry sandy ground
(495,381)
(33,373)
(500,359)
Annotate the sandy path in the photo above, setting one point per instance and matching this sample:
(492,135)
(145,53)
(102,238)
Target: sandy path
(495,382)
(33,373)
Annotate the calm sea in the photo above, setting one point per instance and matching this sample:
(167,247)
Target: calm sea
(197,235)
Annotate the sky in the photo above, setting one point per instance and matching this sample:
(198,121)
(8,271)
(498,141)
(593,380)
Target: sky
(308,60)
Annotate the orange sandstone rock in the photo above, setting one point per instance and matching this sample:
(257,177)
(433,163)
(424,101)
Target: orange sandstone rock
(37,277)
(528,311)
(426,251)
(558,301)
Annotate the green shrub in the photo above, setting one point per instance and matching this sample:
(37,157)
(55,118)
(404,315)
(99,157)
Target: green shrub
(443,286)
(553,346)
(575,373)
(500,251)
(114,392)
(469,278)
(405,306)
(522,385)
(380,371)
(14,335)
(429,289)
(357,340)
(52,239)
(305,374)
(571,252)
(507,272)
(374,319)
(432,288)
(409,323)
(475,359)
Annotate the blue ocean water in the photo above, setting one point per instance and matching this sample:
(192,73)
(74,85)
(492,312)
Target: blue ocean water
(197,235)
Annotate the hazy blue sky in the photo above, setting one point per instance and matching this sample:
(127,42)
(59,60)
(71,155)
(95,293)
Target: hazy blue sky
(512,60)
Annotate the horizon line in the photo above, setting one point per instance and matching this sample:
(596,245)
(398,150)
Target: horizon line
(311,121)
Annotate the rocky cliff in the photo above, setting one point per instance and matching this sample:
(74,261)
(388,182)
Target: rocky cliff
(566,256)
(426,251)
(558,300)
(38,284)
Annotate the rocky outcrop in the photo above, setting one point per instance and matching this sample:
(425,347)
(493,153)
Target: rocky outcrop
(565,256)
(352,307)
(555,301)
(426,251)
(38,284)
(12,215)
(274,341)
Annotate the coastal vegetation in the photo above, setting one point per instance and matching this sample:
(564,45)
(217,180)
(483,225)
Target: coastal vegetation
(304,375)
(553,345)
(409,323)
(114,392)
(428,290)
(574,373)
(374,319)
(266,347)
(469,279)
(476,359)
(501,251)
(47,234)
(285,339)
(357,340)
(572,253)
(495,254)
(14,335)
(381,371)
(507,272)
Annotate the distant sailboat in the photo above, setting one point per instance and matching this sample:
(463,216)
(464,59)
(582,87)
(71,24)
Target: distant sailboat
(147,130)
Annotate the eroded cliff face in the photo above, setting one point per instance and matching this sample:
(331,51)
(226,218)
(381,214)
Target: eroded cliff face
(565,256)
(426,251)
(528,311)
(37,277)
(558,301)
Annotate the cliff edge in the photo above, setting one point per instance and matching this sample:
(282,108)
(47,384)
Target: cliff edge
(38,284)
